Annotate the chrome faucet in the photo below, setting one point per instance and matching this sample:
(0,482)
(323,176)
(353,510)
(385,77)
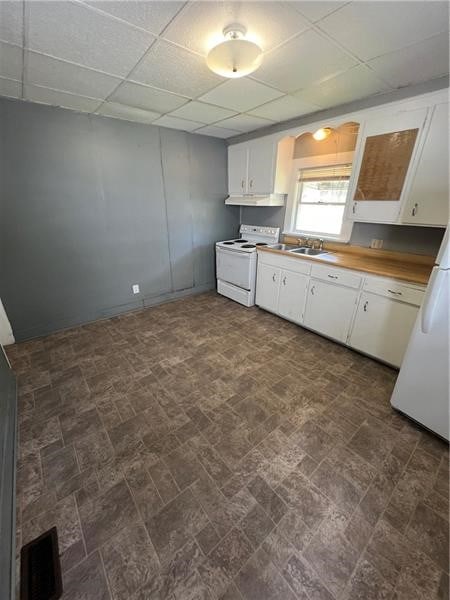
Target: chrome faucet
(318,243)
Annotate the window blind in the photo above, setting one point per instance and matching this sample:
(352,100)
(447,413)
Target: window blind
(330,173)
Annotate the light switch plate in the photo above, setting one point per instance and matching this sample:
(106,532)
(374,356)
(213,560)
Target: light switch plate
(135,288)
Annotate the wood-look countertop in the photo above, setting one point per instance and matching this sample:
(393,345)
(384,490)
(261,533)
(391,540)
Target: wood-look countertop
(413,268)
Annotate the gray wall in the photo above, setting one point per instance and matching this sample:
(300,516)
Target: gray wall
(400,238)
(90,205)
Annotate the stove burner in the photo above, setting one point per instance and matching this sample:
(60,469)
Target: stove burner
(261,244)
(229,243)
(248,246)
(240,241)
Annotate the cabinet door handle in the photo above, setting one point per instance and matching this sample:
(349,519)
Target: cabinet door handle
(366,304)
(242,184)
(415,210)
(395,293)
(312,290)
(274,278)
(284,280)
(354,207)
(333,276)
(251,183)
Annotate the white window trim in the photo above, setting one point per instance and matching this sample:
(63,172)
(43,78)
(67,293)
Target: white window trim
(308,163)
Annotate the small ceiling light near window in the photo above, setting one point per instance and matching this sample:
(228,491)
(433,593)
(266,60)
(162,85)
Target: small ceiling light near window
(321,134)
(235,56)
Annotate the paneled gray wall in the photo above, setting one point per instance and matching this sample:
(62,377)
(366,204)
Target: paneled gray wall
(399,238)
(90,205)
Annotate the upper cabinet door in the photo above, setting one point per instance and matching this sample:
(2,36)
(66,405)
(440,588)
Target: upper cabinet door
(427,202)
(237,169)
(386,151)
(261,166)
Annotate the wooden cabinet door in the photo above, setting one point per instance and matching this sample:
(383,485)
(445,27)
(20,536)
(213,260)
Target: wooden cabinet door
(267,287)
(329,309)
(428,198)
(386,151)
(291,301)
(382,327)
(261,166)
(237,169)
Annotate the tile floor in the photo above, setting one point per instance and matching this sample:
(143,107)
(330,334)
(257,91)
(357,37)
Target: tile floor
(201,450)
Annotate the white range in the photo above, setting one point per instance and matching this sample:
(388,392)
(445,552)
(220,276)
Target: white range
(236,262)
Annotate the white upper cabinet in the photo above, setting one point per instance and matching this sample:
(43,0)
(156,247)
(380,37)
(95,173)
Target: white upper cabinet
(385,155)
(427,202)
(260,167)
(237,169)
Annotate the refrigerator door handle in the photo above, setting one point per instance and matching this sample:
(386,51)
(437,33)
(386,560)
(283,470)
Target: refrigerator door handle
(431,298)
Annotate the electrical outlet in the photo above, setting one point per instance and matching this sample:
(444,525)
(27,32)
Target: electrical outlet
(135,288)
(377,244)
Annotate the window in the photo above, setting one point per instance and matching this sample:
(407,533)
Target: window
(320,201)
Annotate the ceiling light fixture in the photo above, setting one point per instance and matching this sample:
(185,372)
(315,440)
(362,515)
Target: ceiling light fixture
(235,56)
(321,134)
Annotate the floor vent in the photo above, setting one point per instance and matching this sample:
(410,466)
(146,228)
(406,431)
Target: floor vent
(40,569)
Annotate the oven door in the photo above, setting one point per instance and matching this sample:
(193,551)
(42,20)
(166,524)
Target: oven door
(236,267)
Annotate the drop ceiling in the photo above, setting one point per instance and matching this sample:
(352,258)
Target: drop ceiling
(144,61)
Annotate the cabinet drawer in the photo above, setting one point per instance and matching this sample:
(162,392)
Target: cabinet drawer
(284,262)
(332,275)
(390,288)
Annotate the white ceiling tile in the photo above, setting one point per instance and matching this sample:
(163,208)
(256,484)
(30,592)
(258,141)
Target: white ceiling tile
(244,123)
(56,98)
(10,88)
(147,98)
(370,29)
(240,94)
(174,123)
(286,107)
(59,75)
(316,9)
(78,34)
(358,82)
(307,59)
(199,25)
(128,113)
(215,131)
(151,15)
(204,113)
(11,62)
(419,62)
(11,21)
(175,69)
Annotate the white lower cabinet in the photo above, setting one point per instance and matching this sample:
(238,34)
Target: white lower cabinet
(292,295)
(382,327)
(267,287)
(329,309)
(372,314)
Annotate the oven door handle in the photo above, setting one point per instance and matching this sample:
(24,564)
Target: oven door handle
(238,253)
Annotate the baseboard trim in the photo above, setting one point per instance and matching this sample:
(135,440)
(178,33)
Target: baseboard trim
(101,313)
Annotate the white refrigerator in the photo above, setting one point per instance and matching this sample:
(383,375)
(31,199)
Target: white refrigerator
(422,388)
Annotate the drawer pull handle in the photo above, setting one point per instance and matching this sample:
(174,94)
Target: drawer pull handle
(366,303)
(333,276)
(284,280)
(415,210)
(273,277)
(395,293)
(312,290)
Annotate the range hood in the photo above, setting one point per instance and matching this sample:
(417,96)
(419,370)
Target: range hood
(254,200)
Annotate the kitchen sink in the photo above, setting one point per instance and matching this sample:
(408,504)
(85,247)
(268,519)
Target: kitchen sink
(285,247)
(308,251)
